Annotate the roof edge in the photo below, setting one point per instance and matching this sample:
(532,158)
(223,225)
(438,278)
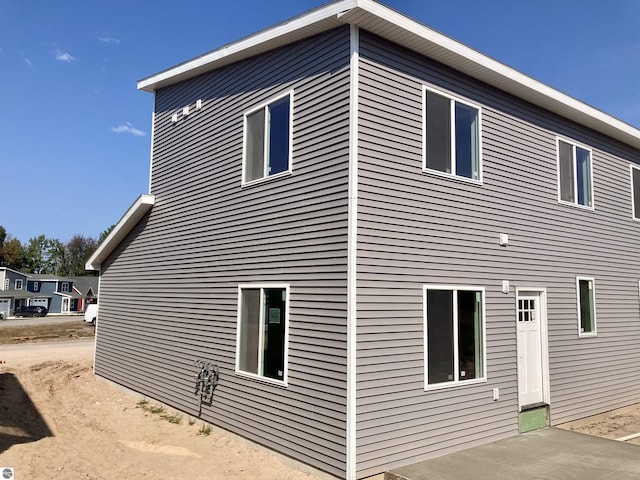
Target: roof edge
(129,220)
(268,39)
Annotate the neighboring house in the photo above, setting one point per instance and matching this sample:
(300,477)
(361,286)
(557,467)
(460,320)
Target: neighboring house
(13,290)
(85,292)
(390,245)
(51,291)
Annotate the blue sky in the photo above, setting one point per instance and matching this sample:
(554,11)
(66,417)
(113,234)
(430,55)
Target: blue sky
(75,131)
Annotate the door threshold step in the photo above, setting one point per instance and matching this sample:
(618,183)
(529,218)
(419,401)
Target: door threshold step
(533,419)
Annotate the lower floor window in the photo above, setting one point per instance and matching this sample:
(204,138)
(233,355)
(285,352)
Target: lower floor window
(454,335)
(586,306)
(262,330)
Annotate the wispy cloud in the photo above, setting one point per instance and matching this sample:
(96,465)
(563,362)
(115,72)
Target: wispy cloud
(64,56)
(128,128)
(111,40)
(28,62)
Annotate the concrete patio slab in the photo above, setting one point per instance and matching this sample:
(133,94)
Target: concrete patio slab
(548,454)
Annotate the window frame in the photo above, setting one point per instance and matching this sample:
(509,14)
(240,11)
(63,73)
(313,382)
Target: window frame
(633,167)
(458,382)
(64,287)
(36,286)
(452,131)
(15,285)
(593,333)
(262,287)
(264,106)
(575,145)
(7,284)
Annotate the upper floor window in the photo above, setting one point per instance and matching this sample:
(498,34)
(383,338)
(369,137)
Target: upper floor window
(451,137)
(65,287)
(6,284)
(263,317)
(586,306)
(575,174)
(635,191)
(267,139)
(454,335)
(36,286)
(18,284)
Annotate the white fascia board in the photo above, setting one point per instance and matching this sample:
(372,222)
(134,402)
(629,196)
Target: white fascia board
(394,26)
(375,17)
(311,23)
(129,220)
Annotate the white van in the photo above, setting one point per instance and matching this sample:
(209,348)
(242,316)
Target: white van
(91,313)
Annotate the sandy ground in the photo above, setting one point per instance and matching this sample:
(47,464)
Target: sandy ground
(617,424)
(57,421)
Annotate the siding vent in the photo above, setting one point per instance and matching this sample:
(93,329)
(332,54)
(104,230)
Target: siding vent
(174,118)
(185,110)
(504,239)
(198,104)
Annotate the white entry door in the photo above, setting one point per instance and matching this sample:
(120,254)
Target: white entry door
(65,305)
(530,359)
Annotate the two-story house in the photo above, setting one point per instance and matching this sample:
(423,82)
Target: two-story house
(13,290)
(52,292)
(391,245)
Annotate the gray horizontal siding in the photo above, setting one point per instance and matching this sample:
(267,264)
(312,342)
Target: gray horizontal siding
(169,294)
(416,229)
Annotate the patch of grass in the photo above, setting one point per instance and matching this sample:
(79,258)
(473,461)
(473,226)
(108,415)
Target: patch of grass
(192,420)
(205,430)
(49,331)
(175,419)
(143,402)
(155,409)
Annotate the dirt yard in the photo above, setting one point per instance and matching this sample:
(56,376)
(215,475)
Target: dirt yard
(57,421)
(618,424)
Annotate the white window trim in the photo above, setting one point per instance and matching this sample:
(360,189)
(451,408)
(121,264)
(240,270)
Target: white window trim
(7,284)
(62,285)
(15,285)
(595,322)
(633,167)
(261,286)
(575,144)
(455,383)
(263,105)
(453,100)
(36,286)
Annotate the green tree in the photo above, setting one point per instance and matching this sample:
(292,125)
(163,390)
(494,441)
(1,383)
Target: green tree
(105,234)
(77,252)
(44,255)
(12,254)
(3,236)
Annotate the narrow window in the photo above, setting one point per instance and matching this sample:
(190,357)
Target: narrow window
(267,140)
(451,136)
(635,191)
(262,331)
(454,335)
(6,284)
(574,174)
(65,287)
(36,286)
(18,284)
(586,306)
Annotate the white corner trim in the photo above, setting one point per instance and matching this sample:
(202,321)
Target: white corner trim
(352,244)
(153,130)
(129,220)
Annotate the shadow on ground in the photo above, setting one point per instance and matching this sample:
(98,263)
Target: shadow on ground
(20,420)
